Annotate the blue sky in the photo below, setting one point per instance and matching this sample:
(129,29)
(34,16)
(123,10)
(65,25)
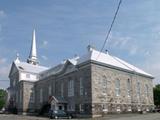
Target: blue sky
(65,27)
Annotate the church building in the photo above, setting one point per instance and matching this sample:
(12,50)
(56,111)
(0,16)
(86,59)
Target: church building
(91,85)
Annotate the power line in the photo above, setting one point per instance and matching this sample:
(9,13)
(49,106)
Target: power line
(109,31)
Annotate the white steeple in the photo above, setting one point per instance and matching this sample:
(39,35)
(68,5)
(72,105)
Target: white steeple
(33,52)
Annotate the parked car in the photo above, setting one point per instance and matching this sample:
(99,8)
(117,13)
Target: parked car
(59,114)
(155,110)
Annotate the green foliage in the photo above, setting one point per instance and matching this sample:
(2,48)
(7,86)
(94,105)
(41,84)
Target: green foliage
(2,98)
(156,91)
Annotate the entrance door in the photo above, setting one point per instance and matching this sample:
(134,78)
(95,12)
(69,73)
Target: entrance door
(60,107)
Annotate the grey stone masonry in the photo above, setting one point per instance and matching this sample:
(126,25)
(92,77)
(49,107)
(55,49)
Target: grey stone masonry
(28,96)
(111,102)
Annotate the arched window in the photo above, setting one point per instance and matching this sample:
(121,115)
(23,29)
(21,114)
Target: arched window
(138,89)
(104,85)
(147,90)
(81,86)
(129,87)
(70,88)
(32,95)
(117,87)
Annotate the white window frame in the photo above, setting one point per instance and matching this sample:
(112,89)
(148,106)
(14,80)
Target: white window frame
(117,87)
(118,109)
(71,107)
(104,85)
(129,87)
(81,92)
(70,88)
(32,96)
(81,107)
(138,89)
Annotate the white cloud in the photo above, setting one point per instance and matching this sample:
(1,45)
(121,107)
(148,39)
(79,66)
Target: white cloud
(120,42)
(150,54)
(152,63)
(124,43)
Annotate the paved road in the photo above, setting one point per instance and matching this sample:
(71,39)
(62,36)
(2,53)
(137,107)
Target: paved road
(151,116)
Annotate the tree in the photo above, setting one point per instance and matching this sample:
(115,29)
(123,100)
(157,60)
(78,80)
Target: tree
(2,98)
(156,91)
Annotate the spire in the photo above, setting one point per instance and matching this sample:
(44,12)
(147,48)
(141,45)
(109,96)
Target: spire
(33,52)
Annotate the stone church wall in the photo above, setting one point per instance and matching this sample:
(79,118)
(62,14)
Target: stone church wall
(109,102)
(47,86)
(27,96)
(55,83)
(94,101)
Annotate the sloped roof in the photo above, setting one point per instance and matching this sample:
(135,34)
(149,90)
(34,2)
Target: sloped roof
(91,55)
(58,68)
(107,59)
(52,71)
(23,66)
(57,99)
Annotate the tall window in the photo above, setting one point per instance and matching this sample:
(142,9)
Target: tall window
(62,90)
(104,85)
(117,85)
(129,87)
(81,107)
(41,95)
(81,86)
(49,90)
(70,88)
(138,89)
(20,96)
(17,96)
(71,107)
(32,95)
(147,90)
